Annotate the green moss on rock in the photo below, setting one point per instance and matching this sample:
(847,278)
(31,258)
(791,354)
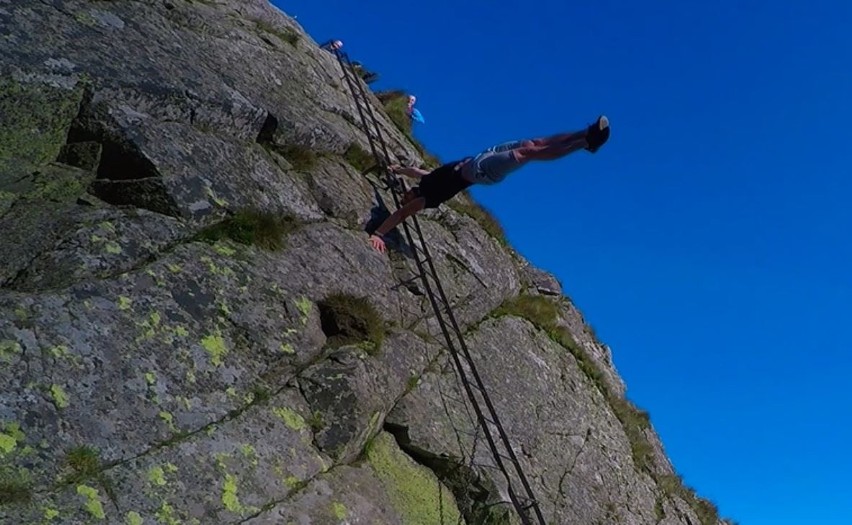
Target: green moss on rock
(92,503)
(35,118)
(359,158)
(251,227)
(15,486)
(349,320)
(414,491)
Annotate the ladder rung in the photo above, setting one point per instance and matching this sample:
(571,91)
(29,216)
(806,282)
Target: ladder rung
(532,504)
(455,399)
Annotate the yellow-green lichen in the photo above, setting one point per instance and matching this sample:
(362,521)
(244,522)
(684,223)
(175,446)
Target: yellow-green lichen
(229,495)
(149,326)
(166,515)
(36,118)
(9,349)
(290,418)
(124,303)
(150,378)
(180,331)
(215,347)
(85,18)
(156,476)
(93,501)
(223,307)
(171,468)
(113,248)
(215,198)
(287,348)
(339,510)
(169,419)
(60,352)
(292,482)
(108,226)
(133,518)
(50,514)
(221,458)
(174,268)
(250,453)
(60,398)
(304,305)
(224,249)
(415,493)
(217,270)
(10,437)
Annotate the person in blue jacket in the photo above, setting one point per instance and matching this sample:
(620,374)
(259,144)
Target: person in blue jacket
(412,112)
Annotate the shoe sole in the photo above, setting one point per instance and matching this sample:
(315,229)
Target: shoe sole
(603,123)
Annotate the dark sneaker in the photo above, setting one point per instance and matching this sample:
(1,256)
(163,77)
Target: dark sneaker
(597,134)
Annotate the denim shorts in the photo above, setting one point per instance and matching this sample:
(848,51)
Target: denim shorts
(494,164)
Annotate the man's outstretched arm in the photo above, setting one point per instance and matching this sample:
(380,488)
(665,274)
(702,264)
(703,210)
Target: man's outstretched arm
(414,173)
(393,221)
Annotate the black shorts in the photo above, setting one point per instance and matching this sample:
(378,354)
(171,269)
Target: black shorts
(441,185)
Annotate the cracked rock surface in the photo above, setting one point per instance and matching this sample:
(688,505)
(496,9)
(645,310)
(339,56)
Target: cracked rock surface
(151,375)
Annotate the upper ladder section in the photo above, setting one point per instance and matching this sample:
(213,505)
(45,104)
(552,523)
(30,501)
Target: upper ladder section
(520,492)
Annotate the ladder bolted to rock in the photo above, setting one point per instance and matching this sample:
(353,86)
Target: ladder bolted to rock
(520,492)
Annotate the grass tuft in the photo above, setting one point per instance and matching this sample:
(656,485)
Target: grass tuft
(396,103)
(315,421)
(300,157)
(15,487)
(481,215)
(286,34)
(251,227)
(672,485)
(350,320)
(359,158)
(85,463)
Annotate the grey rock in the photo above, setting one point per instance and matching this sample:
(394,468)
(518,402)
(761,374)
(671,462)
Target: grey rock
(570,443)
(152,377)
(541,281)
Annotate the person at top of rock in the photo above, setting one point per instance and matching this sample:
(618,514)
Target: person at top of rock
(488,167)
(412,112)
(332,45)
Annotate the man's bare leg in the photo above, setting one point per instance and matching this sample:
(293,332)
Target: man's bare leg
(586,136)
(551,152)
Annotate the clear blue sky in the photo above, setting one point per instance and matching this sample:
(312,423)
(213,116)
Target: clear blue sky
(708,242)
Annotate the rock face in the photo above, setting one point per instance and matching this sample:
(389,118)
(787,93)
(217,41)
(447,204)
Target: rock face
(154,372)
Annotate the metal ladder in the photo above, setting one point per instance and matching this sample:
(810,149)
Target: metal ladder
(520,492)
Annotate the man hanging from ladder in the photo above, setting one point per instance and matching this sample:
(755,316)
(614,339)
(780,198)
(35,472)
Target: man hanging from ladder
(489,167)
